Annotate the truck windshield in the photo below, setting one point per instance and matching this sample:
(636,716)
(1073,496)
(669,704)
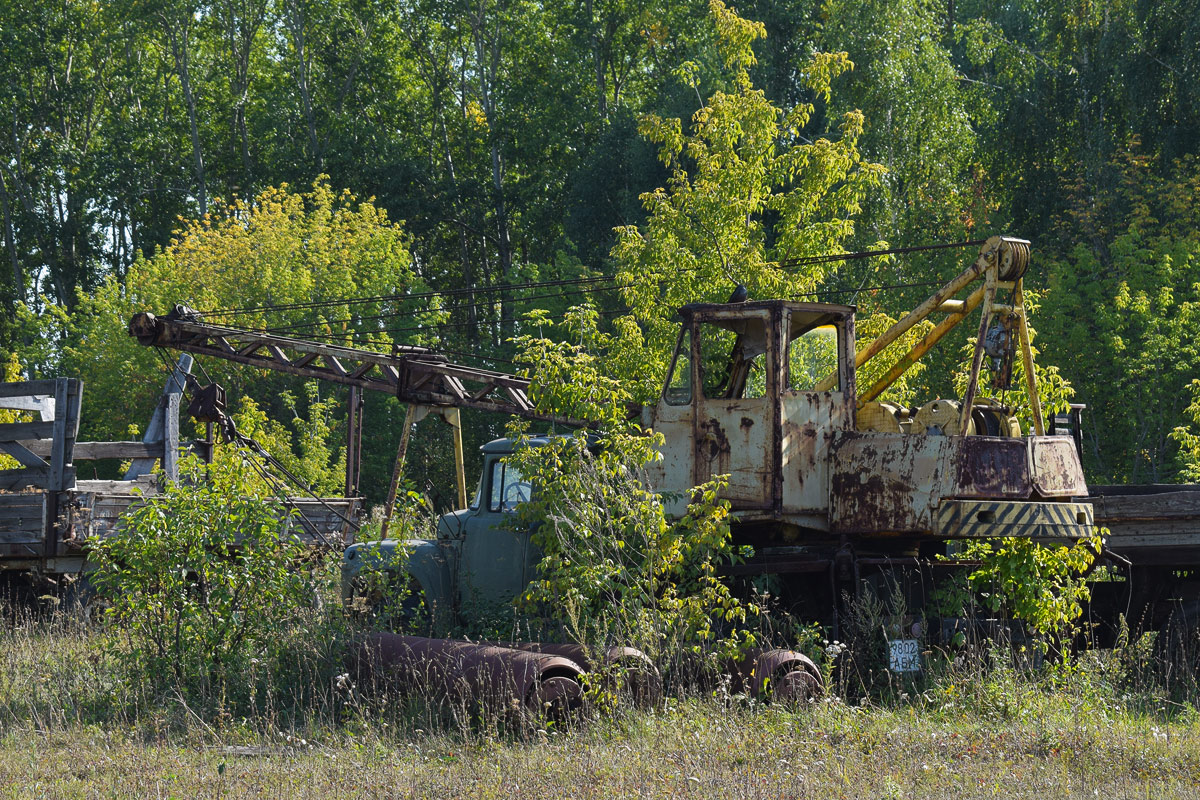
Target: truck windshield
(508,488)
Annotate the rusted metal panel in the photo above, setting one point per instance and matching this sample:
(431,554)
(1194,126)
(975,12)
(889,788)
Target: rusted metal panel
(626,669)
(783,676)
(810,420)
(1056,468)
(986,466)
(890,483)
(884,482)
(735,437)
(496,677)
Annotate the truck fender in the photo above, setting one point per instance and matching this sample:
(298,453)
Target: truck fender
(421,559)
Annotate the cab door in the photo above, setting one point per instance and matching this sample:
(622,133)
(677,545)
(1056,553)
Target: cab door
(494,564)
(817,403)
(674,418)
(736,423)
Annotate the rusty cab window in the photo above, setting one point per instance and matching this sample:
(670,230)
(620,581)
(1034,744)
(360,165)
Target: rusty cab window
(813,357)
(733,358)
(508,488)
(679,385)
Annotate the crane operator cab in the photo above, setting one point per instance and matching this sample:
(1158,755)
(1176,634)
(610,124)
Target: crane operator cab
(764,392)
(741,400)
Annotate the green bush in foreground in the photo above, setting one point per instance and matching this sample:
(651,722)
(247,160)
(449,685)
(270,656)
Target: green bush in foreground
(615,567)
(202,583)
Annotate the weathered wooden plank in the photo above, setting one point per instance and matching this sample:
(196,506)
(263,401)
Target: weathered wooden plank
(19,478)
(22,519)
(25,519)
(1162,505)
(74,407)
(1120,531)
(145,485)
(113,517)
(102,507)
(1126,489)
(41,403)
(28,529)
(1165,544)
(60,454)
(20,431)
(27,543)
(19,515)
(28,388)
(20,499)
(93,451)
(23,455)
(114,505)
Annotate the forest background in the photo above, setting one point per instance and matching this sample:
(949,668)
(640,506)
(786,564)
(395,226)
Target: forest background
(435,156)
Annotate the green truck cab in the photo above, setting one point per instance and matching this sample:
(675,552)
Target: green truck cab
(478,558)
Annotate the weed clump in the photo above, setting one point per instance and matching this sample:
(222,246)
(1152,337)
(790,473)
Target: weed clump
(211,599)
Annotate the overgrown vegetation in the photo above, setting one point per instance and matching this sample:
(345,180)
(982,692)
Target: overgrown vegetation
(206,592)
(866,126)
(976,723)
(512,140)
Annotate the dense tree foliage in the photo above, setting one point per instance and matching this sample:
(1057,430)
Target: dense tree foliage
(676,147)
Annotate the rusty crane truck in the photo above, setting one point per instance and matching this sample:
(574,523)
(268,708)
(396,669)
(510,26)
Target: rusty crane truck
(827,483)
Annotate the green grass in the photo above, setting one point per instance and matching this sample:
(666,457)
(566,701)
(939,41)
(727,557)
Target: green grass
(69,727)
(698,748)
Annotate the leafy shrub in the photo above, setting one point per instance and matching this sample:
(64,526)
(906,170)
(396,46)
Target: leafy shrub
(1044,585)
(615,568)
(202,582)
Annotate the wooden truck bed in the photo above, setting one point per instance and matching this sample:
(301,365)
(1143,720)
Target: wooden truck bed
(47,516)
(1156,524)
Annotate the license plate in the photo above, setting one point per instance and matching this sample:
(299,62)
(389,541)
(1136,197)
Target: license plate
(905,655)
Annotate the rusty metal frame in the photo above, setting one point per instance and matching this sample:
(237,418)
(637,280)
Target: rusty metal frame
(413,374)
(776,316)
(1001,264)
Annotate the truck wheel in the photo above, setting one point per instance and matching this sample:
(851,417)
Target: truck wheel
(415,615)
(396,603)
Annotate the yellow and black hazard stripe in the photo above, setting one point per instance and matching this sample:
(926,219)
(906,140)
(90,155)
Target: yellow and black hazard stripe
(989,519)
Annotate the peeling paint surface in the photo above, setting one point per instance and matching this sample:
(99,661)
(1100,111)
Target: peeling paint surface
(1056,468)
(674,472)
(726,445)
(986,466)
(810,420)
(884,482)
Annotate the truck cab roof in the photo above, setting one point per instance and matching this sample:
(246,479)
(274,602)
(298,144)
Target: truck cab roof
(506,445)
